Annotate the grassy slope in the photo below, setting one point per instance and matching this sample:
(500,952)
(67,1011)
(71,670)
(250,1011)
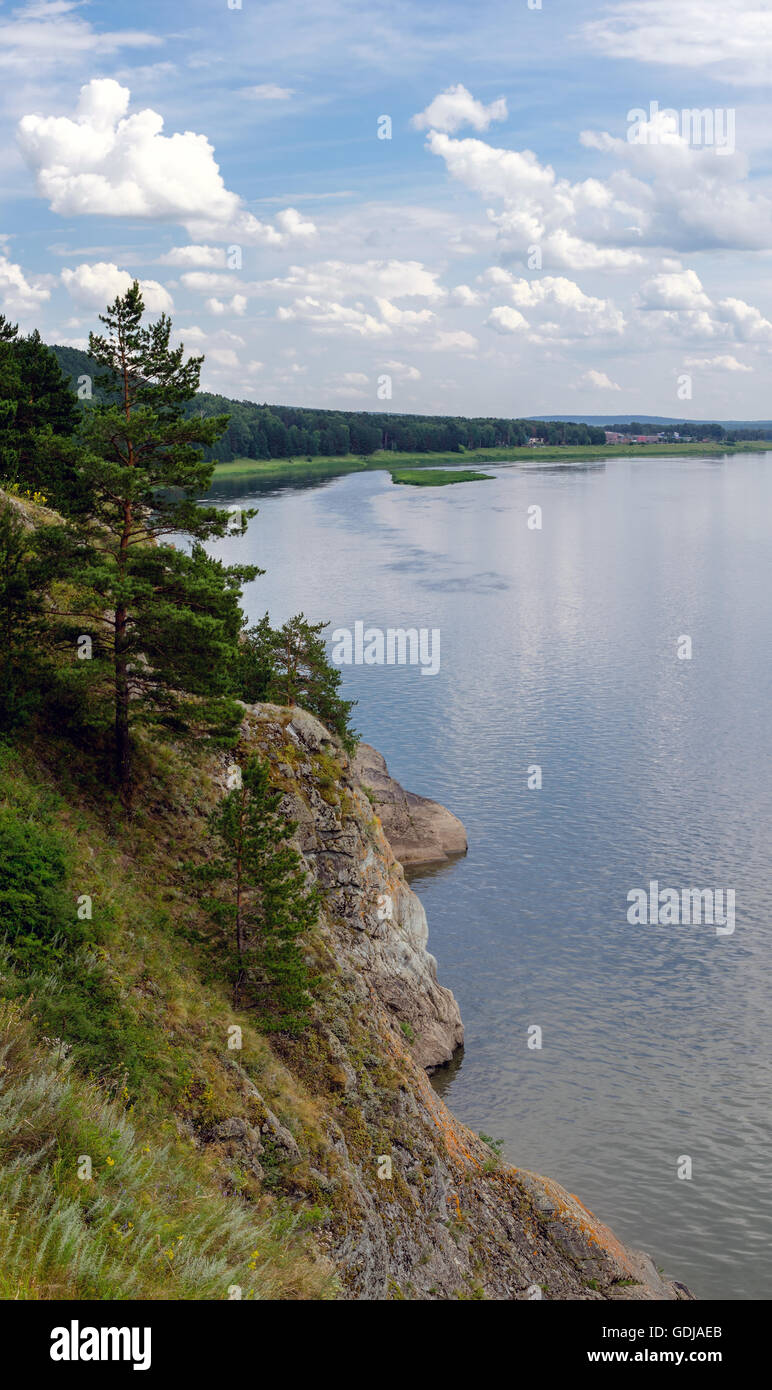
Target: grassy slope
(282,469)
(164,1216)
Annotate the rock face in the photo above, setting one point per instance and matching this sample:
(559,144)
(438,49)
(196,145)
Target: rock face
(419,831)
(364,886)
(416,1205)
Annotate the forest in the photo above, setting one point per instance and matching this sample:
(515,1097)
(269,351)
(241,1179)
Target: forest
(262,431)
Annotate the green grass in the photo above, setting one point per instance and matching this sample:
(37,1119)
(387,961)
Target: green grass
(147,1220)
(299,469)
(437,477)
(163,1215)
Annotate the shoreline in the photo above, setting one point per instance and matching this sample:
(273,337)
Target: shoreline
(322,466)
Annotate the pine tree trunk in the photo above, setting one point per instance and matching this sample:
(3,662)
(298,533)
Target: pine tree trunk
(122,737)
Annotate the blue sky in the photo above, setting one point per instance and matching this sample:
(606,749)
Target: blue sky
(521,242)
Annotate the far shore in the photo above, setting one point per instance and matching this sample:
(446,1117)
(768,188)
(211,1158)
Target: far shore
(285,470)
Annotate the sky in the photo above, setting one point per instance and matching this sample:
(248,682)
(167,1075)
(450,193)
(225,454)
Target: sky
(495,209)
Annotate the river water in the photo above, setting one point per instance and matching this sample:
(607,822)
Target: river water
(559,649)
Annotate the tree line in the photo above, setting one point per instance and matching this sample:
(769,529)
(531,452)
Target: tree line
(694,428)
(278,431)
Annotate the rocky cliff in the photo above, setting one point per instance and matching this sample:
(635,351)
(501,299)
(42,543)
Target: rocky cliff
(417,1205)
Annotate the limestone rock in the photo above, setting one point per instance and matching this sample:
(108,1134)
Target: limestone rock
(419,831)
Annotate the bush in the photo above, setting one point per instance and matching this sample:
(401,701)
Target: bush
(35,916)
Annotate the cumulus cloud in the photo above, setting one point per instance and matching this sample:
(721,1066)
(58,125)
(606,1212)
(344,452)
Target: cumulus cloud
(731,41)
(97,285)
(223,357)
(557,308)
(402,318)
(562,250)
(213,256)
(465,296)
(401,369)
(679,304)
(597,381)
(237,305)
(673,290)
(662,192)
(18,295)
(456,107)
(505,320)
(747,322)
(106,162)
(683,194)
(391,280)
(458,341)
(723,362)
(209,282)
(328,316)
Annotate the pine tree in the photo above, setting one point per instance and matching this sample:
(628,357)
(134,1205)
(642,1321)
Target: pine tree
(168,620)
(22,591)
(261,901)
(255,669)
(290,666)
(38,420)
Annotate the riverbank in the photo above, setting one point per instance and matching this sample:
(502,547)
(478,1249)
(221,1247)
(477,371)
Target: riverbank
(322,466)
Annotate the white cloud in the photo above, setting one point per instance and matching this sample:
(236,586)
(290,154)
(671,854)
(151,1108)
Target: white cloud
(209,282)
(391,280)
(268,91)
(223,357)
(733,41)
(236,305)
(747,322)
(293,227)
(107,163)
(724,362)
(673,290)
(213,256)
(681,194)
(458,341)
(18,295)
(598,381)
(402,318)
(557,307)
(506,320)
(456,107)
(465,296)
(562,250)
(328,316)
(47,34)
(666,194)
(401,369)
(97,285)
(680,305)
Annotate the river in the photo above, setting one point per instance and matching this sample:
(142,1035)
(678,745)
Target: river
(560,649)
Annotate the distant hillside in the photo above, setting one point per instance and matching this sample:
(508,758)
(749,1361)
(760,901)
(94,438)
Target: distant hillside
(662,421)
